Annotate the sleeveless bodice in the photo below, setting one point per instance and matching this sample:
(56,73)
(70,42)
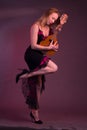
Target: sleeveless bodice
(41,37)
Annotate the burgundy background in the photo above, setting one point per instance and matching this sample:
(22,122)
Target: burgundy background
(66,90)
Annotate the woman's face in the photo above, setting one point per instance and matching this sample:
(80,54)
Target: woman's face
(52,18)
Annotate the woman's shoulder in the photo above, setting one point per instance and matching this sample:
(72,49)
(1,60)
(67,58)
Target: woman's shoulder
(35,25)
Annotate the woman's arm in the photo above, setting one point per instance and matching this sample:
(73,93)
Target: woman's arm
(34,37)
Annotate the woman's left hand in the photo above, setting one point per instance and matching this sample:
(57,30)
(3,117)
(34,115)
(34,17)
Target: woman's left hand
(63,19)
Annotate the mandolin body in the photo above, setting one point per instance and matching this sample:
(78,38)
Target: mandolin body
(47,42)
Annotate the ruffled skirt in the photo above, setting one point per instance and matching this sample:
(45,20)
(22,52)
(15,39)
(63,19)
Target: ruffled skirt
(32,84)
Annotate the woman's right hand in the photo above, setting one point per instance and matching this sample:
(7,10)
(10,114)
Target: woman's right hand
(54,46)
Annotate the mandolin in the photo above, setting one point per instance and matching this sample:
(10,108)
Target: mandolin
(47,42)
(53,37)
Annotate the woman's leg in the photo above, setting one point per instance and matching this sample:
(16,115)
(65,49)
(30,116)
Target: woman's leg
(50,68)
(39,86)
(35,112)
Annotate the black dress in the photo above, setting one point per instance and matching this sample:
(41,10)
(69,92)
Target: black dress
(35,60)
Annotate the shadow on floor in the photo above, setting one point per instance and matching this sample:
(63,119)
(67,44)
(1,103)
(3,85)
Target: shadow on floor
(27,128)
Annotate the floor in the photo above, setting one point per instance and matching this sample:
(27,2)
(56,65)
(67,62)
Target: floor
(54,121)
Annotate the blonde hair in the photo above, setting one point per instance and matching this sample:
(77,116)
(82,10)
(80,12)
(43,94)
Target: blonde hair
(43,18)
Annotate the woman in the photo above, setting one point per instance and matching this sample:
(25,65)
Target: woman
(39,64)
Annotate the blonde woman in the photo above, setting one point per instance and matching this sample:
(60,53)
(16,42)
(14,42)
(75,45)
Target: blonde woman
(38,62)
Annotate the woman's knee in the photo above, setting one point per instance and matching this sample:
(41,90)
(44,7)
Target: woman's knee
(55,68)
